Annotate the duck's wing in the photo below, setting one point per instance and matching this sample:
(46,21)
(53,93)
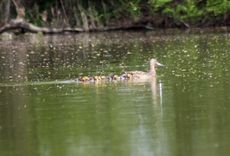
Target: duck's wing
(133,75)
(136,72)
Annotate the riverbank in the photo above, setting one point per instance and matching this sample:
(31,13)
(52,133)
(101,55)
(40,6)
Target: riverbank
(59,16)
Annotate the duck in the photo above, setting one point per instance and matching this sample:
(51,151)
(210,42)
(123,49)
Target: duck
(140,75)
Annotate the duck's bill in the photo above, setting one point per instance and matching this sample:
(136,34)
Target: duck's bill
(159,64)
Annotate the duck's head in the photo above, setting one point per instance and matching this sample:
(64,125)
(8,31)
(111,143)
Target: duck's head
(154,63)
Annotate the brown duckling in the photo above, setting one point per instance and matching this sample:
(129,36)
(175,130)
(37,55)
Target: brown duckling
(84,79)
(115,77)
(97,78)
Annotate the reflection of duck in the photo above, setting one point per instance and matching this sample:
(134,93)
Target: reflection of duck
(140,75)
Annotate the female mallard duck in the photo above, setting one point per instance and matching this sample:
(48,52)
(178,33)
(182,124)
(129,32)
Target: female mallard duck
(140,75)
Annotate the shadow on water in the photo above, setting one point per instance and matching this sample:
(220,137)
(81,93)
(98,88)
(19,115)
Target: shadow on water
(182,112)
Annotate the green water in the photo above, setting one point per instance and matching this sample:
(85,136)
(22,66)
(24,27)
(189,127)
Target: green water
(184,112)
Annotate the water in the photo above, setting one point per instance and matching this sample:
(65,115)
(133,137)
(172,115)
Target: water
(183,112)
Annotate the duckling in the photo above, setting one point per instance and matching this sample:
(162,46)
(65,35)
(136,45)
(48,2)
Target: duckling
(84,78)
(97,78)
(115,77)
(103,77)
(126,76)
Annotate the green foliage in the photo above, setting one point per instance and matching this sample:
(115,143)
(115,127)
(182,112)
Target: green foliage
(33,15)
(186,11)
(133,7)
(130,8)
(217,7)
(156,4)
(102,12)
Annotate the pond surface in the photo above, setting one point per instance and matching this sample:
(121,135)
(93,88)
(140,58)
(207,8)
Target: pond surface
(185,111)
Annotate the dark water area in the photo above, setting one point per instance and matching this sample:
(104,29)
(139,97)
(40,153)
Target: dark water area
(185,111)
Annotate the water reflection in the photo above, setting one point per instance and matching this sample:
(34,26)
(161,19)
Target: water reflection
(149,137)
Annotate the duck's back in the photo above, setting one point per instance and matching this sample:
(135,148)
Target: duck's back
(137,72)
(136,75)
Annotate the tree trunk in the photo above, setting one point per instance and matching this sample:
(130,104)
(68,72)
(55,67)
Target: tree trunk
(19,9)
(7,11)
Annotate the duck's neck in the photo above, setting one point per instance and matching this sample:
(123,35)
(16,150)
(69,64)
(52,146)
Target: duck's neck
(152,70)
